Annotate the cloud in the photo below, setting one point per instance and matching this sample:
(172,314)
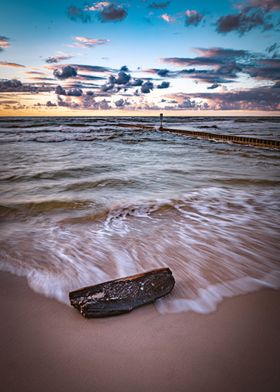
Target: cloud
(14,85)
(252,14)
(85,42)
(91,68)
(268,5)
(136,82)
(87,101)
(193,18)
(213,86)
(50,104)
(11,65)
(163,85)
(122,78)
(77,14)
(264,69)
(274,50)
(121,103)
(60,90)
(258,98)
(75,92)
(220,53)
(112,13)
(58,58)
(222,65)
(159,5)
(186,101)
(97,6)
(89,77)
(147,87)
(120,81)
(65,72)
(188,104)
(168,18)
(242,22)
(4,42)
(160,72)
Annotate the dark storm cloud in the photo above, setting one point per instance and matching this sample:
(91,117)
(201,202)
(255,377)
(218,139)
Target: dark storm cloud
(112,13)
(193,18)
(163,85)
(65,72)
(159,5)
(78,14)
(252,14)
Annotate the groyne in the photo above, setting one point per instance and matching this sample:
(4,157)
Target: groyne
(245,140)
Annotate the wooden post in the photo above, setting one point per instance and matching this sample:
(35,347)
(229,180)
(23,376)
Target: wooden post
(161,120)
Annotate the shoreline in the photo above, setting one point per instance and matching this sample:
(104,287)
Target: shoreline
(48,346)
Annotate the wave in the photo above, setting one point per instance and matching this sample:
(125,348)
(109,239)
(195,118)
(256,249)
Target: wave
(248,181)
(11,211)
(218,243)
(209,126)
(208,299)
(106,182)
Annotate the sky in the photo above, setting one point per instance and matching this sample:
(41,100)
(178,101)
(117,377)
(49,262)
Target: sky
(141,57)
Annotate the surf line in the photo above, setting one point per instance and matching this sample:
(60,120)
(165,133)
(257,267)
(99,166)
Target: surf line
(249,141)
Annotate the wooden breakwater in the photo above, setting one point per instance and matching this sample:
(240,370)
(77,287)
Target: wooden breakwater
(249,141)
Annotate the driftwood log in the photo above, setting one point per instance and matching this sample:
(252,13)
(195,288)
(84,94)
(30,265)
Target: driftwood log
(122,295)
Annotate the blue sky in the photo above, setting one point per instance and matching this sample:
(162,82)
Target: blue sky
(238,60)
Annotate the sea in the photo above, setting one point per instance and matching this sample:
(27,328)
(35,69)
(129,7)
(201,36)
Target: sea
(84,200)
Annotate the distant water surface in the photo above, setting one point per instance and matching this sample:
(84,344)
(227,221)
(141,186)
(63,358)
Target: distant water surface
(84,201)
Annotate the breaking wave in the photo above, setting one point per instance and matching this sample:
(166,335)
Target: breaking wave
(212,239)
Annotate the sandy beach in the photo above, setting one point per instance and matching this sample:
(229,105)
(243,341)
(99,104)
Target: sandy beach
(47,346)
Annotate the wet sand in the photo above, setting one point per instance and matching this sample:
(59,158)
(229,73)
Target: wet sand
(47,346)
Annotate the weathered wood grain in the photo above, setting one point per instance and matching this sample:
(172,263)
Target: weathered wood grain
(122,295)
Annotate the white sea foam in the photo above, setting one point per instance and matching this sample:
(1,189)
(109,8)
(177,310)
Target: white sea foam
(218,244)
(113,201)
(208,298)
